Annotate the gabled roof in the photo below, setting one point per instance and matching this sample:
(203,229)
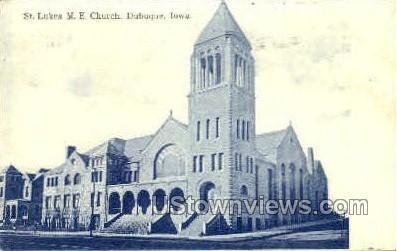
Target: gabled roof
(115,146)
(57,170)
(267,143)
(133,147)
(31,176)
(169,119)
(119,146)
(318,168)
(84,157)
(10,168)
(99,149)
(222,23)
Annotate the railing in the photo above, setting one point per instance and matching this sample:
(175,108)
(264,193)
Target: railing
(189,220)
(110,222)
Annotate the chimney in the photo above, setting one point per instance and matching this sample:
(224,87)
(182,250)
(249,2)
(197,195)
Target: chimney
(69,151)
(310,159)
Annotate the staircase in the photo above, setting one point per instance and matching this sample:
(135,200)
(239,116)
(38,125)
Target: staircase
(115,218)
(164,225)
(194,224)
(131,223)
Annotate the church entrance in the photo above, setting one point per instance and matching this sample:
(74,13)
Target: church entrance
(207,192)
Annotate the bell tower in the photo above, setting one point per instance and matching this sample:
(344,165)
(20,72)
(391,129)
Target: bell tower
(222,111)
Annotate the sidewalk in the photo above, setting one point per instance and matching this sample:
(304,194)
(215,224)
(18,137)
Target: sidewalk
(229,237)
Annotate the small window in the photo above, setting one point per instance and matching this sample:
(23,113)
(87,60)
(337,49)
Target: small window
(238,128)
(76,200)
(213,160)
(207,134)
(218,68)
(47,202)
(220,161)
(92,199)
(66,201)
(244,190)
(94,176)
(67,180)
(236,161)
(1,191)
(243,130)
(57,202)
(198,131)
(98,199)
(248,130)
(240,162)
(136,176)
(217,128)
(194,164)
(247,164)
(26,192)
(201,163)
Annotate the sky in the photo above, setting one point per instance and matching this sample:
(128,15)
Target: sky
(327,66)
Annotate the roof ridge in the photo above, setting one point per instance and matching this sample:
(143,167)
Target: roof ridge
(221,23)
(140,137)
(273,132)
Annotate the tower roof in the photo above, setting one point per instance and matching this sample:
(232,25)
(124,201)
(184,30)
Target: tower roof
(222,23)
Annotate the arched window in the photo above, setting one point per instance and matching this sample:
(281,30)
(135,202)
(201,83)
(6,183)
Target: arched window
(128,202)
(244,190)
(300,183)
(203,70)
(114,203)
(292,181)
(77,179)
(235,68)
(159,199)
(67,180)
(240,74)
(244,71)
(176,197)
(218,69)
(270,183)
(170,161)
(210,70)
(143,200)
(283,185)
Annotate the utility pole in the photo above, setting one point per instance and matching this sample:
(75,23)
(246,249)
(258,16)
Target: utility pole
(94,178)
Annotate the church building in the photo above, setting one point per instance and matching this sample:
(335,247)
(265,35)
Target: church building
(218,154)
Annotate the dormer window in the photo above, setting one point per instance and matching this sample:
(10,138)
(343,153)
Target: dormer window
(73,161)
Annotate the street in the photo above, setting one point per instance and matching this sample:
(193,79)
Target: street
(319,239)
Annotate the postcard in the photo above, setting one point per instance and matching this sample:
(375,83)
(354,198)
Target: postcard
(215,124)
